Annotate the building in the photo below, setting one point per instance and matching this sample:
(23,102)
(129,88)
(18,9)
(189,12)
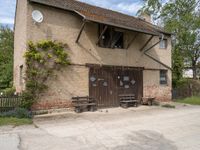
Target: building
(111,53)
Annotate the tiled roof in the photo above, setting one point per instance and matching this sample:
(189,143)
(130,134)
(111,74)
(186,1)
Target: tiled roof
(105,16)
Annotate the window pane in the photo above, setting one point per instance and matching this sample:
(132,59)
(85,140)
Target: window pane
(163,77)
(163,44)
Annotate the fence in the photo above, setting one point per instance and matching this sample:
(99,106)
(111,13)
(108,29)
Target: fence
(186,91)
(8,103)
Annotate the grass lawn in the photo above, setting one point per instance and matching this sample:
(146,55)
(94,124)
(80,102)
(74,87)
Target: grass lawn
(14,121)
(191,100)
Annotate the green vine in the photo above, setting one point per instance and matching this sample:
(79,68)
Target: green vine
(42,59)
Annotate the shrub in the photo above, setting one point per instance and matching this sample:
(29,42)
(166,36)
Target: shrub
(42,60)
(17,113)
(27,100)
(9,91)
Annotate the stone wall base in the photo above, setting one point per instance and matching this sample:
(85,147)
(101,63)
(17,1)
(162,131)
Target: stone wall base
(161,93)
(47,105)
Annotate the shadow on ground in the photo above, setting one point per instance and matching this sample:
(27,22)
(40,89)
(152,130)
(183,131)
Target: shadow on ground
(146,140)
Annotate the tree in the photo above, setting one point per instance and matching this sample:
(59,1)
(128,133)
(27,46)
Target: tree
(182,19)
(6,57)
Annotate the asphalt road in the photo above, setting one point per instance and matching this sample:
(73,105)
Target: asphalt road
(142,128)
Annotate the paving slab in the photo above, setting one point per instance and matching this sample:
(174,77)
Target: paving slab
(9,142)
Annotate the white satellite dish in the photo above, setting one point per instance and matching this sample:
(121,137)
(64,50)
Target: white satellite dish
(37,16)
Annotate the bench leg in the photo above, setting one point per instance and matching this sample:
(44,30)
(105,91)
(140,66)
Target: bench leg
(150,102)
(78,110)
(142,103)
(92,108)
(124,105)
(136,104)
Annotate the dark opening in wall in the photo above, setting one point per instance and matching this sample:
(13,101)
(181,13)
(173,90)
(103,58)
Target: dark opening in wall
(111,38)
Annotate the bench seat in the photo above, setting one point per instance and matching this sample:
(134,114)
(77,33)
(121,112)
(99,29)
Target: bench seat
(86,104)
(129,101)
(81,103)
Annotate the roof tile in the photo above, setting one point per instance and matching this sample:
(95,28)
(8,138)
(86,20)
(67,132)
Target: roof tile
(105,16)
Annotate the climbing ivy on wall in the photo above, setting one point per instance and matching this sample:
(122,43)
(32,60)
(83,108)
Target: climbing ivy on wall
(42,60)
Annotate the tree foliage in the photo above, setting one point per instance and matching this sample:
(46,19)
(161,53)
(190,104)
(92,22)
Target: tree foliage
(6,57)
(182,19)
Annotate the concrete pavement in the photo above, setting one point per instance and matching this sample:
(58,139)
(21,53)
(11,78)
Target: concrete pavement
(9,142)
(142,128)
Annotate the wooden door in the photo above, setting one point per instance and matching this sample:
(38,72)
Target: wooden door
(130,81)
(107,83)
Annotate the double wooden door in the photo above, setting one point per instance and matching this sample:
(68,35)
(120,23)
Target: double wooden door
(107,83)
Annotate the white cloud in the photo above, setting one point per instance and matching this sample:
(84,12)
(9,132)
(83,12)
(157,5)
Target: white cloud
(7,11)
(129,8)
(124,6)
(6,20)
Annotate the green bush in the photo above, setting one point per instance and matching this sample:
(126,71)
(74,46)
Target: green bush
(179,83)
(27,100)
(17,113)
(8,91)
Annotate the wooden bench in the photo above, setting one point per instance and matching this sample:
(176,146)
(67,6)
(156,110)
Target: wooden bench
(81,103)
(147,101)
(127,100)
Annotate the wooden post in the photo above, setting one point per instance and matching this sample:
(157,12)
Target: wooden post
(152,46)
(133,39)
(147,43)
(81,30)
(102,33)
(116,38)
(158,61)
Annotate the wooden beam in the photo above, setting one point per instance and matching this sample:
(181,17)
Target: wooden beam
(116,38)
(81,30)
(111,66)
(147,43)
(102,33)
(166,66)
(152,46)
(132,40)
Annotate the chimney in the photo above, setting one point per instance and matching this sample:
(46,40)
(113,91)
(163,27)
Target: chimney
(145,16)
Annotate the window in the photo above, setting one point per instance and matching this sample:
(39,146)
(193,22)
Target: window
(21,75)
(111,38)
(163,77)
(163,44)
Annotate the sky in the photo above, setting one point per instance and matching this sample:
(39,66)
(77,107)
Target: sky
(130,7)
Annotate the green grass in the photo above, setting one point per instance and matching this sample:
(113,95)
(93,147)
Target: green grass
(14,121)
(195,100)
(168,106)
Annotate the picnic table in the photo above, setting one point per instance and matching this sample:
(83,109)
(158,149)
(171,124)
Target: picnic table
(81,103)
(127,100)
